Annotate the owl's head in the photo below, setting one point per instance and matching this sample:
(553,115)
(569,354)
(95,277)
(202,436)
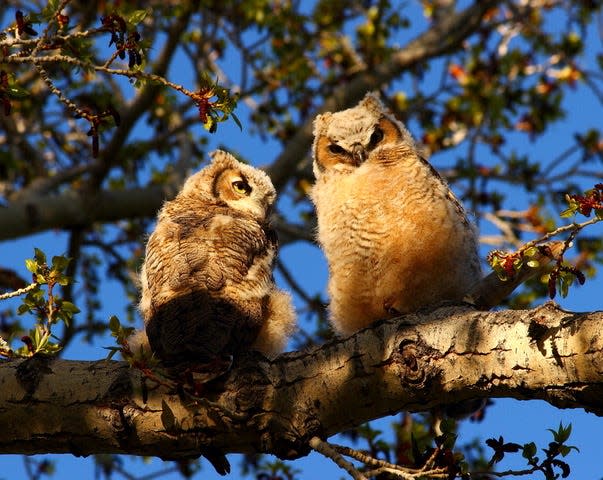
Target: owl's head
(344,140)
(227,181)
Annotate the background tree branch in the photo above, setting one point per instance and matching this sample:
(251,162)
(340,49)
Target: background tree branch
(438,40)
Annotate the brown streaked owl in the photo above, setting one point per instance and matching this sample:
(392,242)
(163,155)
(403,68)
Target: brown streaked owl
(207,284)
(395,237)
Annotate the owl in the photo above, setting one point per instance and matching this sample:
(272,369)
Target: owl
(395,237)
(207,284)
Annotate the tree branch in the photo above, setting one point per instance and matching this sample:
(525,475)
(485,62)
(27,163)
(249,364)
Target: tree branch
(145,96)
(414,363)
(71,209)
(34,213)
(440,39)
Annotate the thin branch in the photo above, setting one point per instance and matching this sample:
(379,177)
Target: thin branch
(44,35)
(372,461)
(153,78)
(293,285)
(76,240)
(19,292)
(508,233)
(566,228)
(507,473)
(325,449)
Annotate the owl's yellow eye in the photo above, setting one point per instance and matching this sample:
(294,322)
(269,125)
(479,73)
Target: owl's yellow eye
(241,187)
(336,149)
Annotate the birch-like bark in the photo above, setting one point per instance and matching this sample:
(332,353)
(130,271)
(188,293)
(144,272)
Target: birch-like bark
(414,363)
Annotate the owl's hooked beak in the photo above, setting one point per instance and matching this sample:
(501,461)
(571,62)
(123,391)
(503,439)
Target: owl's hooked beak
(358,154)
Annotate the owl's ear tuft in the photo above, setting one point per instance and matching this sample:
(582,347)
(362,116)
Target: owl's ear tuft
(224,158)
(320,123)
(372,102)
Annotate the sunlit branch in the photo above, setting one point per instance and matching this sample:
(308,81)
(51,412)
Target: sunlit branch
(19,292)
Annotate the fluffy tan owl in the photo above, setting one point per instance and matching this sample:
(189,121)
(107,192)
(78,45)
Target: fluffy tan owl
(395,237)
(207,284)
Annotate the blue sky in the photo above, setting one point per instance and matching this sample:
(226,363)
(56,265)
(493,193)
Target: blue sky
(517,421)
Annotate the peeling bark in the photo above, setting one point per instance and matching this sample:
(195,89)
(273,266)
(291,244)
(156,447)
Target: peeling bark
(413,363)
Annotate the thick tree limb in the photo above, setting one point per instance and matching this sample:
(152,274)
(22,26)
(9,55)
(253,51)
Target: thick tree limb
(71,209)
(414,363)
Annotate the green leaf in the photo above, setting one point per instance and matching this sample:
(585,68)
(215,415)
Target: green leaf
(136,17)
(35,336)
(51,8)
(39,256)
(529,450)
(566,449)
(570,212)
(562,433)
(23,308)
(168,419)
(210,125)
(236,120)
(49,347)
(14,91)
(114,324)
(449,440)
(69,307)
(31,265)
(60,263)
(448,425)
(112,351)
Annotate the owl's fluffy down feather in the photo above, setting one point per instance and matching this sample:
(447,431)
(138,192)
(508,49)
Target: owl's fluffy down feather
(207,285)
(395,237)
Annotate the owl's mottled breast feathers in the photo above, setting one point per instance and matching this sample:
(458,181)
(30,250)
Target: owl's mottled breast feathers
(395,237)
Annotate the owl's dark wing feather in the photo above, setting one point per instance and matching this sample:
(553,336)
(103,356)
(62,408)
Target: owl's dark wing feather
(198,328)
(193,318)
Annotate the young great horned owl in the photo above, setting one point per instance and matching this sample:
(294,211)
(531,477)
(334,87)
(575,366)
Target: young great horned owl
(395,237)
(207,285)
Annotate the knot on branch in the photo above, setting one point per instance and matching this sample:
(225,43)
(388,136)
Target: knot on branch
(409,364)
(408,355)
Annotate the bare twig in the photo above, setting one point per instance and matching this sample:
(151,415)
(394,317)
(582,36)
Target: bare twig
(325,449)
(19,292)
(386,467)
